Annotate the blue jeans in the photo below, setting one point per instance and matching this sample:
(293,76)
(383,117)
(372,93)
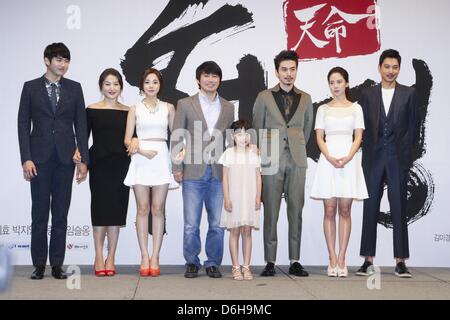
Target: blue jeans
(207,190)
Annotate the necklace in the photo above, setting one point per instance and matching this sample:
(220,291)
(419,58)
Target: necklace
(150,108)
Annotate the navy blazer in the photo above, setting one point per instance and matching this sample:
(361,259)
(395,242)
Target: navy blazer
(40,129)
(405,125)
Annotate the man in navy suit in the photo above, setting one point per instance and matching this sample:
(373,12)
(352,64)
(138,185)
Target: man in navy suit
(391,124)
(51,107)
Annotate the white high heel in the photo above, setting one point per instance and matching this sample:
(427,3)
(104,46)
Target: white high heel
(342,273)
(332,272)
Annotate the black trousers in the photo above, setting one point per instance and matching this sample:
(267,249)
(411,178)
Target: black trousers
(385,169)
(50,189)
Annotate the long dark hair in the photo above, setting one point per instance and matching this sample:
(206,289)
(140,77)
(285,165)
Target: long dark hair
(344,75)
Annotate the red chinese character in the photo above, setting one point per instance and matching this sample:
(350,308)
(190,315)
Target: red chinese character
(332,28)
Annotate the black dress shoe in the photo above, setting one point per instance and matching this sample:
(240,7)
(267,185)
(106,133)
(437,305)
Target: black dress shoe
(38,273)
(366,269)
(58,273)
(269,270)
(402,271)
(213,272)
(191,271)
(296,269)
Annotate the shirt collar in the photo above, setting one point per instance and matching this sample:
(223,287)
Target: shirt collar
(206,99)
(48,82)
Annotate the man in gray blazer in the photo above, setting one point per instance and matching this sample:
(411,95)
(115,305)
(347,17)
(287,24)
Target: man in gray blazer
(199,128)
(51,107)
(283,116)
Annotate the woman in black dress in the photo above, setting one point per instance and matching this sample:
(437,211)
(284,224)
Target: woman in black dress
(109,161)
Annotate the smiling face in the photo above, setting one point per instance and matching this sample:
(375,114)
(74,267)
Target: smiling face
(209,82)
(389,71)
(287,73)
(151,86)
(241,138)
(337,85)
(111,88)
(57,66)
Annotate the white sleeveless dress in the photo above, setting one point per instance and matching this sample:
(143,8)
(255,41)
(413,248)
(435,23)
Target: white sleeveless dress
(156,171)
(348,182)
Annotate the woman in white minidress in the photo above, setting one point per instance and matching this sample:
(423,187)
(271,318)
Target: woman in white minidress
(339,176)
(149,173)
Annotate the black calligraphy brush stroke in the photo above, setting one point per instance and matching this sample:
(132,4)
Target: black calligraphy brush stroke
(182,41)
(250,81)
(423,85)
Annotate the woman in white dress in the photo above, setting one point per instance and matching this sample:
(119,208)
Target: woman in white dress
(149,173)
(339,177)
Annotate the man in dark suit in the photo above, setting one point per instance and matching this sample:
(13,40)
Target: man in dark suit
(390,119)
(50,108)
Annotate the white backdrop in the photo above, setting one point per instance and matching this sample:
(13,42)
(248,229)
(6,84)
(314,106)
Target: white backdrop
(418,29)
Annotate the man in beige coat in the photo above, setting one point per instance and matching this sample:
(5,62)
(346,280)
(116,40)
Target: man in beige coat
(283,117)
(199,128)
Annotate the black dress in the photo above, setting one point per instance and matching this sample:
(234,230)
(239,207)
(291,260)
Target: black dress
(108,167)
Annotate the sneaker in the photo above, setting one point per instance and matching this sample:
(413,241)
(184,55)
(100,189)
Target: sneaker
(191,271)
(402,271)
(296,269)
(213,272)
(366,269)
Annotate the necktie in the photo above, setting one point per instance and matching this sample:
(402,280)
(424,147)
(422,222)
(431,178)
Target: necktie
(53,98)
(287,101)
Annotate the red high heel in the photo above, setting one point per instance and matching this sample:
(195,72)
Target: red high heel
(144,272)
(100,273)
(155,272)
(109,272)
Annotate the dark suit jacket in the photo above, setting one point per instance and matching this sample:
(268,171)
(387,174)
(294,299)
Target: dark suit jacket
(40,130)
(404,104)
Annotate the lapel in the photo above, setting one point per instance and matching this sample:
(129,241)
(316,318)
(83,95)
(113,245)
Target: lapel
(42,87)
(221,113)
(297,109)
(375,109)
(198,110)
(63,95)
(395,107)
(273,106)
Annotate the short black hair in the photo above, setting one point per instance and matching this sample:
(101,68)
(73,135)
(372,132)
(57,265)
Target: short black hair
(390,53)
(57,49)
(286,55)
(208,67)
(112,72)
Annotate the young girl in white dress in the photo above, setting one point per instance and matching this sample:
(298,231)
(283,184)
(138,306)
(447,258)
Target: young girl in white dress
(149,172)
(339,176)
(242,196)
